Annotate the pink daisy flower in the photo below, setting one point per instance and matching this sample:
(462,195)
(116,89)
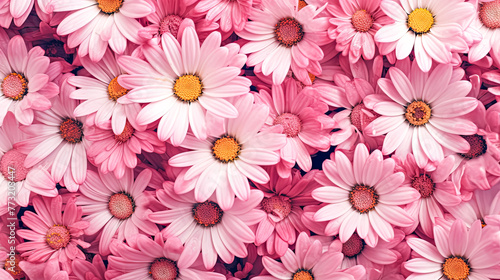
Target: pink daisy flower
(484,206)
(433,28)
(354,25)
(204,227)
(58,140)
(435,188)
(101,94)
(422,113)
(117,152)
(373,259)
(93,271)
(53,234)
(458,254)
(115,206)
(183,91)
(27,81)
(309,262)
(17,10)
(93,25)
(16,177)
(302,117)
(161,258)
(50,270)
(487,22)
(282,37)
(231,15)
(169,17)
(224,162)
(283,199)
(364,195)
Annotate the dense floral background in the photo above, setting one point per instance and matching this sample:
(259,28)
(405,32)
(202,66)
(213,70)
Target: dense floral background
(249,139)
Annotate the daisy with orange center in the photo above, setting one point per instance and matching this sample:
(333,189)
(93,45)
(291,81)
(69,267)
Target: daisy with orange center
(364,195)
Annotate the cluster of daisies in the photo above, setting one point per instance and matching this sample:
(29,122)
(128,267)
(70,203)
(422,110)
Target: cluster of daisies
(249,139)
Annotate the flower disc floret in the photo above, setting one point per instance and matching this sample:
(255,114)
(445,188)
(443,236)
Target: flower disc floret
(420,20)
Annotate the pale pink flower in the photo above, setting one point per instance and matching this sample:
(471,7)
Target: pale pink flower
(161,258)
(433,29)
(14,176)
(204,227)
(27,81)
(93,25)
(231,15)
(493,79)
(184,84)
(17,10)
(282,37)
(374,259)
(53,234)
(364,195)
(58,140)
(116,206)
(422,113)
(117,152)
(100,94)
(224,162)
(170,17)
(283,199)
(458,254)
(309,262)
(354,25)
(487,22)
(435,188)
(301,116)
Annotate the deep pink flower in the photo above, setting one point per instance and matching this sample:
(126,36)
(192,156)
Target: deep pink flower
(53,234)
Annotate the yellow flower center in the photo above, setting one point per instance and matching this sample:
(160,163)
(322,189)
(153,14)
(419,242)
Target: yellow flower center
(58,237)
(456,268)
(14,86)
(226,149)
(312,77)
(109,6)
(115,90)
(418,113)
(188,88)
(303,275)
(420,21)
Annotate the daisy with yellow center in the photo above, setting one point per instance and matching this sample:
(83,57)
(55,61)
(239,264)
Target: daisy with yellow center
(182,89)
(223,164)
(414,22)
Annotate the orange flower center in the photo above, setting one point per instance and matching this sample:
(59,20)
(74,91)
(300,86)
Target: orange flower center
(303,274)
(71,130)
(418,113)
(188,88)
(115,90)
(362,21)
(207,214)
(226,149)
(420,20)
(58,237)
(12,266)
(121,205)
(424,185)
(291,124)
(363,198)
(489,14)
(277,205)
(110,6)
(456,268)
(15,86)
(163,269)
(477,146)
(288,32)
(353,246)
